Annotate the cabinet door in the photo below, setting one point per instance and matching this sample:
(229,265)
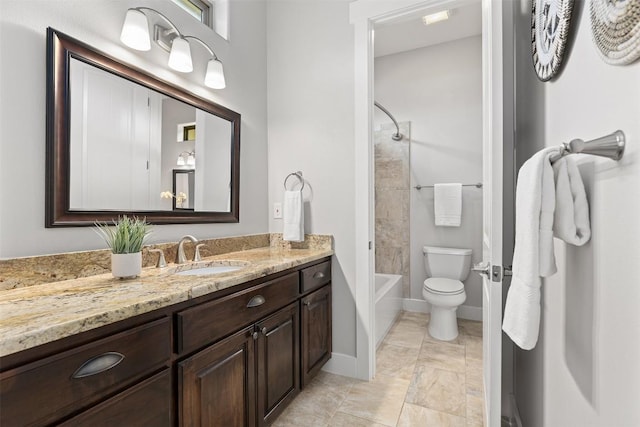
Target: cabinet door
(278,362)
(217,384)
(316,332)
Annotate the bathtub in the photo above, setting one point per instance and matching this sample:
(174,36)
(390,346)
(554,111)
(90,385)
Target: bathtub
(388,303)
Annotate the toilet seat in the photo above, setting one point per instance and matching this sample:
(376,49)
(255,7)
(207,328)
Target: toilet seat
(442,286)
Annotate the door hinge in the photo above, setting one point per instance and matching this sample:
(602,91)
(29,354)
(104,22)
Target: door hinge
(370,245)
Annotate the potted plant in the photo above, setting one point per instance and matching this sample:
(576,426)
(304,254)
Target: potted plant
(125,239)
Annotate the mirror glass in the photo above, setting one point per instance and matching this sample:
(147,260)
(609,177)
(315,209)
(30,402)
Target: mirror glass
(122,142)
(126,140)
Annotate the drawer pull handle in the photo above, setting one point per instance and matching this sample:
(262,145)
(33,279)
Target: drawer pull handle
(318,275)
(98,364)
(256,301)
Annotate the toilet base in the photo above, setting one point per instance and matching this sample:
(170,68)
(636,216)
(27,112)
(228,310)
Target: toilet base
(443,324)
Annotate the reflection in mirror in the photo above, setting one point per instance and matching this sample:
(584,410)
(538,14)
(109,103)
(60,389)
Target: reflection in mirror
(126,140)
(183,183)
(115,135)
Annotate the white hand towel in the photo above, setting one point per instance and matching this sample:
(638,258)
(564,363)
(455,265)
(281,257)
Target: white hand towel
(571,219)
(447,204)
(293,215)
(533,255)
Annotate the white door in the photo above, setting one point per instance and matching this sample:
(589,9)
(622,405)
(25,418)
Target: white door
(492,208)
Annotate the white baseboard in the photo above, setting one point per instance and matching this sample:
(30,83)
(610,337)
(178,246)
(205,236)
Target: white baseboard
(466,312)
(415,305)
(469,312)
(341,364)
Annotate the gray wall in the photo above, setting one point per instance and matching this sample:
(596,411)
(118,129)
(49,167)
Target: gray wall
(311,111)
(585,370)
(98,23)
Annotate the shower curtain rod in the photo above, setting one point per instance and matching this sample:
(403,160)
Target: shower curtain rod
(398,135)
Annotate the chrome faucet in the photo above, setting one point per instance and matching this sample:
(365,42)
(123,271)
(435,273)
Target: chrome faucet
(180,256)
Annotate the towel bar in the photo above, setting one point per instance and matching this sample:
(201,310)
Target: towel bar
(610,146)
(477,185)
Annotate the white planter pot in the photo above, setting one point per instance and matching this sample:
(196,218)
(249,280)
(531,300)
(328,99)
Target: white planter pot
(126,265)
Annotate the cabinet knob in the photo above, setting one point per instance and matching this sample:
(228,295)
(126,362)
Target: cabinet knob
(255,335)
(256,301)
(264,330)
(98,364)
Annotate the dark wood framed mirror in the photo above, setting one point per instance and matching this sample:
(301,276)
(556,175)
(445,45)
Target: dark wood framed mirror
(115,135)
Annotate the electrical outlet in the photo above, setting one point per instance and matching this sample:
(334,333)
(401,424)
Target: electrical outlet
(277,210)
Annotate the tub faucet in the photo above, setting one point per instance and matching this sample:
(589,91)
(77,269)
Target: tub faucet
(180,256)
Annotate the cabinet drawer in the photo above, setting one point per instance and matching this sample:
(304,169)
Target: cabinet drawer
(208,322)
(315,276)
(46,390)
(145,404)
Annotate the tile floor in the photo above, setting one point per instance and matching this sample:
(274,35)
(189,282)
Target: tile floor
(419,382)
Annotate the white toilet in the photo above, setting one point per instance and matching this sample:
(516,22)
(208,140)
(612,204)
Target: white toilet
(446,269)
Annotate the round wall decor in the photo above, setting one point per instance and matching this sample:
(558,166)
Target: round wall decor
(616,30)
(550,21)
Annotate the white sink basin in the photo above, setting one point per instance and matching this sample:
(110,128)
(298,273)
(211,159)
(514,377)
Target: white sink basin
(209,268)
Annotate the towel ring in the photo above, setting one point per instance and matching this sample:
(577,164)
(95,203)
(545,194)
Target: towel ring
(297,175)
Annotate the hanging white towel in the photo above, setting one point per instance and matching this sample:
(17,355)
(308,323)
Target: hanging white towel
(447,204)
(571,219)
(293,216)
(533,255)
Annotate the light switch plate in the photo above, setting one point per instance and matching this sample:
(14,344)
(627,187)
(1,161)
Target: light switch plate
(277,210)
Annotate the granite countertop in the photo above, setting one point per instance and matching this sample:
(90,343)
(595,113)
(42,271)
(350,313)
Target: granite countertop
(35,315)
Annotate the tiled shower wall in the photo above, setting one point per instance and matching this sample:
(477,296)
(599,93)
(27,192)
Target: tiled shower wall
(392,185)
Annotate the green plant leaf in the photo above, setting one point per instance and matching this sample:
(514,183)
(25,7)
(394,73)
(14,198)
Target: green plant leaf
(126,235)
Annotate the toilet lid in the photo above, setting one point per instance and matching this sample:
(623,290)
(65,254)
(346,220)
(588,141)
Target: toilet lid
(441,285)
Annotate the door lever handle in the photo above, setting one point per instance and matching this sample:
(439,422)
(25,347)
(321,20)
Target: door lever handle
(482,268)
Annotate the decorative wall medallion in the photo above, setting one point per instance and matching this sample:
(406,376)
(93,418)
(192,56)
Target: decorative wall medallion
(550,21)
(615,25)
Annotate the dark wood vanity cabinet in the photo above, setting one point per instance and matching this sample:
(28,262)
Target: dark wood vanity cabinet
(56,387)
(278,362)
(245,379)
(236,358)
(216,386)
(316,332)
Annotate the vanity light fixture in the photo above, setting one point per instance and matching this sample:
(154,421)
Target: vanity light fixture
(135,34)
(187,158)
(435,17)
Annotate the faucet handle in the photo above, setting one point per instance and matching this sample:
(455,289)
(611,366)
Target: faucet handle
(196,256)
(162,262)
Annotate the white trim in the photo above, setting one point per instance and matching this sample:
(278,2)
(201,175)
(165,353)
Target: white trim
(363,14)
(470,312)
(415,305)
(467,312)
(341,364)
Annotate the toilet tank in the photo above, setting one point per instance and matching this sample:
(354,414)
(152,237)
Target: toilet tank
(450,263)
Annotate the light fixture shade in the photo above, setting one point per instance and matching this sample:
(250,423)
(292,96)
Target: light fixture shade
(180,161)
(215,75)
(135,30)
(191,160)
(180,56)
(435,17)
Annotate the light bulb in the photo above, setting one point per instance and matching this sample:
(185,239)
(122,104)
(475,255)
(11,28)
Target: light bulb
(180,56)
(214,78)
(135,30)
